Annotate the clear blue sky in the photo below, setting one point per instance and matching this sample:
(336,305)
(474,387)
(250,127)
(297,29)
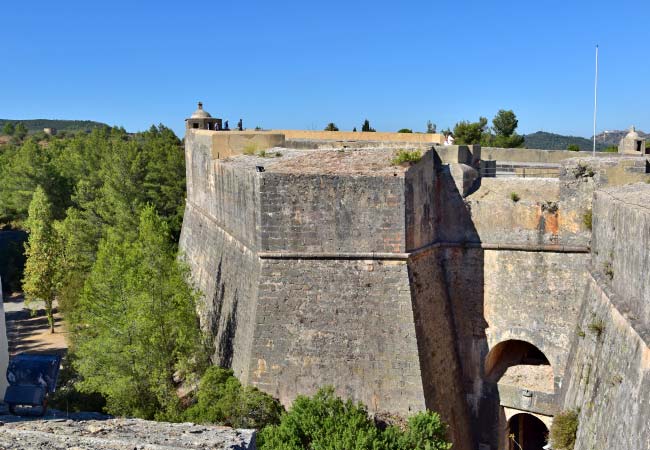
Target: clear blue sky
(302,64)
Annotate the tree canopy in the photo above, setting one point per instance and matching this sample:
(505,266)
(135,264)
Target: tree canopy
(366,126)
(138,322)
(469,133)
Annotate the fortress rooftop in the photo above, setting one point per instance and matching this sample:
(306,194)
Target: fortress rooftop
(343,161)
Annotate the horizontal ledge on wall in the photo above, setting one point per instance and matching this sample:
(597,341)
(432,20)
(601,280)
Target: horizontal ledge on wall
(550,248)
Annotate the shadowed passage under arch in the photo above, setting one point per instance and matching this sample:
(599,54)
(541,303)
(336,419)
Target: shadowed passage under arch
(519,363)
(526,432)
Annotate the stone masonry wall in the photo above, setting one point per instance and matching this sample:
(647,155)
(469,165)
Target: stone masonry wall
(331,213)
(609,364)
(228,195)
(609,375)
(346,323)
(226,273)
(620,245)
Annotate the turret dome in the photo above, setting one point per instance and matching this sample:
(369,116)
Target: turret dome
(200,113)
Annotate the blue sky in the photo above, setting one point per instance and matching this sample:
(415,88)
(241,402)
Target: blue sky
(302,64)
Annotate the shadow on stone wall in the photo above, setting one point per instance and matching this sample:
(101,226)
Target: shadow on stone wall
(221,329)
(447,290)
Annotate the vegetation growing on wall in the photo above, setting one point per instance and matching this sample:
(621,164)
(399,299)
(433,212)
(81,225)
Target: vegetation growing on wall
(405,156)
(563,430)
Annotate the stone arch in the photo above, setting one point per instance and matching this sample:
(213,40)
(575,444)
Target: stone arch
(552,352)
(526,432)
(520,363)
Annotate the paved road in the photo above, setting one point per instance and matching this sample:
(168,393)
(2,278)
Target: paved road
(28,330)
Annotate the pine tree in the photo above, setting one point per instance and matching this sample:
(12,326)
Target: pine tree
(140,324)
(42,250)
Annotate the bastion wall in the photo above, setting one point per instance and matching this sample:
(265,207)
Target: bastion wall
(333,266)
(610,356)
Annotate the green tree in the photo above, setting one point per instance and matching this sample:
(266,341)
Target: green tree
(405,130)
(470,132)
(25,168)
(366,126)
(223,400)
(20,131)
(431,127)
(573,148)
(504,125)
(42,251)
(326,422)
(331,127)
(9,129)
(139,322)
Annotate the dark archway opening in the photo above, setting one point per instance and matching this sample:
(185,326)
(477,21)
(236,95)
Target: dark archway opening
(519,363)
(526,432)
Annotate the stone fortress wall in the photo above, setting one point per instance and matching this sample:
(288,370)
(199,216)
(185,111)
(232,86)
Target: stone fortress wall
(401,285)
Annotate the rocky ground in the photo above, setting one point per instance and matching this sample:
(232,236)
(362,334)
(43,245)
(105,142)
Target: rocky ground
(88,432)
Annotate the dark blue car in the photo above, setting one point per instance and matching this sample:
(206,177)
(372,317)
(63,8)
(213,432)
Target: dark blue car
(31,378)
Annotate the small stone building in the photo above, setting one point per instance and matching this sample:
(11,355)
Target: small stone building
(632,144)
(202,120)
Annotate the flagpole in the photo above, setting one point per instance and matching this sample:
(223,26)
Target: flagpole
(595,102)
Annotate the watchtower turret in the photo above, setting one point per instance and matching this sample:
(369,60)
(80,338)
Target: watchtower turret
(202,120)
(632,144)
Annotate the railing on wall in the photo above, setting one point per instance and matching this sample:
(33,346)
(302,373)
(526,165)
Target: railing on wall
(491,170)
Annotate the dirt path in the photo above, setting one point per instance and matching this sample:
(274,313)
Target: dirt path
(30,332)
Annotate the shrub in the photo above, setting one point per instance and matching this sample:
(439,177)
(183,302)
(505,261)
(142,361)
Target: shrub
(223,400)
(514,197)
(262,154)
(67,397)
(597,326)
(587,219)
(405,156)
(250,149)
(563,430)
(583,171)
(326,422)
(573,148)
(331,127)
(405,130)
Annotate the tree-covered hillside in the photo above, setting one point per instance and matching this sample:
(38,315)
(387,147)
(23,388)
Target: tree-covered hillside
(552,141)
(35,125)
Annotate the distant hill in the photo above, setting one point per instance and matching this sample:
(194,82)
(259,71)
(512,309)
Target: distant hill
(34,125)
(613,137)
(551,141)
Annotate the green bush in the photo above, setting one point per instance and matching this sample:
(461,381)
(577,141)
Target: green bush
(222,399)
(514,197)
(67,397)
(563,430)
(405,130)
(405,156)
(573,148)
(326,422)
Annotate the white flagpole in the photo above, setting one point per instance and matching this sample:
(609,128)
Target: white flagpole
(595,102)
